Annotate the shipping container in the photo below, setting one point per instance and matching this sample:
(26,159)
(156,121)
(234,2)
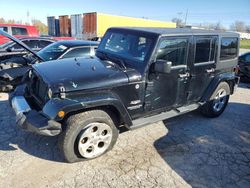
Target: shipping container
(57,27)
(53,26)
(90,25)
(65,26)
(77,26)
(96,24)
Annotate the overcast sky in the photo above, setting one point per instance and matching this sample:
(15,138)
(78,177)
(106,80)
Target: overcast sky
(211,11)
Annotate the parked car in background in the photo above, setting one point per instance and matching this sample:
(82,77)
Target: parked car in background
(13,69)
(138,76)
(10,49)
(18,31)
(244,67)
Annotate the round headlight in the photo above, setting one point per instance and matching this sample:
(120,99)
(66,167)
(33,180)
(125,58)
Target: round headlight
(50,93)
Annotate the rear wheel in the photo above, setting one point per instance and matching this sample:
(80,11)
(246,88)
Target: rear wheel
(88,135)
(218,102)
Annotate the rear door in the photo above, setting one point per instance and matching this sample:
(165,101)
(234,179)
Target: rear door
(203,65)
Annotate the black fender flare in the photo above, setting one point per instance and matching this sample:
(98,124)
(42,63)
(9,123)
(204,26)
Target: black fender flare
(53,106)
(224,77)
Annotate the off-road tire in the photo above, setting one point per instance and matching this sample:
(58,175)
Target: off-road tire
(73,128)
(208,108)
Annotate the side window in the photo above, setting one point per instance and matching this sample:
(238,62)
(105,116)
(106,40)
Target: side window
(204,49)
(17,47)
(4,29)
(229,46)
(174,50)
(78,52)
(44,43)
(31,43)
(19,31)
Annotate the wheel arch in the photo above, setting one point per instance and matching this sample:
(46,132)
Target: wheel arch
(110,104)
(229,78)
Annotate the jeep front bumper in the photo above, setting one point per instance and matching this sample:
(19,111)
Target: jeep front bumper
(33,121)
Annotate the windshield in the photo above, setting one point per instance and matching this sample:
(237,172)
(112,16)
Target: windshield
(52,51)
(130,46)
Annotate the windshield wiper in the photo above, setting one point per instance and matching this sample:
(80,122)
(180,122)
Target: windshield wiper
(119,62)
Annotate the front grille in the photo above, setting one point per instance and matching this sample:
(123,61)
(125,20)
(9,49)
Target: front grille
(39,89)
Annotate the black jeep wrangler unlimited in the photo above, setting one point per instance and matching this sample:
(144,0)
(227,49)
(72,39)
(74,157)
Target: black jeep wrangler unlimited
(139,76)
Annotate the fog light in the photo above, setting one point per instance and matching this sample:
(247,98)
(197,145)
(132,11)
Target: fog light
(61,114)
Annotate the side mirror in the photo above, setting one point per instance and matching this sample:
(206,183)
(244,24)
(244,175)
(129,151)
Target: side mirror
(9,49)
(163,66)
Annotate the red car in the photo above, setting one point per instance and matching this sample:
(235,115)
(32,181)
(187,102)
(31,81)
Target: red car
(18,31)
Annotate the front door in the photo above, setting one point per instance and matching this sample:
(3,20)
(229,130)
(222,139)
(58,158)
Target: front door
(203,66)
(167,90)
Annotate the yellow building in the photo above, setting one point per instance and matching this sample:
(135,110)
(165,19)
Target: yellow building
(96,24)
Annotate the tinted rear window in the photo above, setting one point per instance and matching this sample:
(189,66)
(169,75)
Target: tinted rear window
(229,48)
(204,51)
(19,31)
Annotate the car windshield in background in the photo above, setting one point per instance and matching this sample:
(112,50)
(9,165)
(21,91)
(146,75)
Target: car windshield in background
(52,51)
(6,44)
(134,47)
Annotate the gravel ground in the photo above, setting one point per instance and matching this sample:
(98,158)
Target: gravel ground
(186,151)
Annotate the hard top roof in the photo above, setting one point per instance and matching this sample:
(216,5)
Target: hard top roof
(177,31)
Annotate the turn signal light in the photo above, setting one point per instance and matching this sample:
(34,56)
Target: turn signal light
(61,114)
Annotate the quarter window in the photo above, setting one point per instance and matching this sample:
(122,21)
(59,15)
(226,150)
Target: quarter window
(174,50)
(19,31)
(229,48)
(204,50)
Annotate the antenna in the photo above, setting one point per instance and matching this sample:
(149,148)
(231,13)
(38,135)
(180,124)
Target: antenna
(186,17)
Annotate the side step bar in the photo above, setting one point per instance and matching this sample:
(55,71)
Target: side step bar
(164,115)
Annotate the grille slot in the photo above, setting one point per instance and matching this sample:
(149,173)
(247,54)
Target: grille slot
(39,89)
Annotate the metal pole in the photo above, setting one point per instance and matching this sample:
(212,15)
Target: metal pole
(186,17)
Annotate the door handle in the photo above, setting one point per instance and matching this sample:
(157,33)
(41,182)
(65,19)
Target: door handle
(185,75)
(210,70)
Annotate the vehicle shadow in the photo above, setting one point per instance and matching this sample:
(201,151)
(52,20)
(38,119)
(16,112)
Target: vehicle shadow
(12,138)
(209,152)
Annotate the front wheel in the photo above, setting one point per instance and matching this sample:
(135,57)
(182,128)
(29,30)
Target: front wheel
(88,135)
(218,102)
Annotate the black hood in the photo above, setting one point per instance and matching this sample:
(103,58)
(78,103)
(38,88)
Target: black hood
(21,44)
(82,73)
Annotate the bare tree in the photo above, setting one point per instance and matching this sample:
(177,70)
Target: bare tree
(2,20)
(179,22)
(215,26)
(248,28)
(40,26)
(219,27)
(239,26)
